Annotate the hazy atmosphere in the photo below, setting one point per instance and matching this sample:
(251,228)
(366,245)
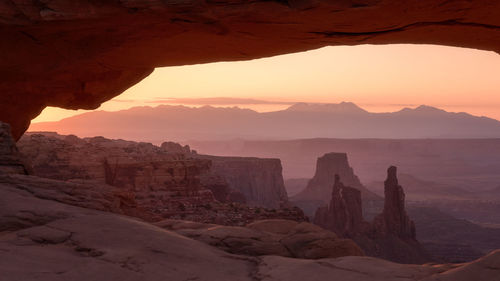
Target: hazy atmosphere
(379,78)
(223,140)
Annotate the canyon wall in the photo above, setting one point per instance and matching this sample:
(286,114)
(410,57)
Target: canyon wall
(344,214)
(259,180)
(11,161)
(61,230)
(166,181)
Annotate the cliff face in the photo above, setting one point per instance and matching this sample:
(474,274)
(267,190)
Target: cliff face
(391,235)
(259,180)
(46,239)
(344,214)
(318,190)
(165,182)
(394,219)
(11,161)
(327,166)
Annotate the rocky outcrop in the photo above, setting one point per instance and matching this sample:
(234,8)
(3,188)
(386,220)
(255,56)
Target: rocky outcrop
(221,189)
(269,237)
(161,183)
(45,240)
(11,161)
(344,214)
(327,166)
(259,180)
(391,235)
(174,147)
(394,219)
(167,184)
(143,166)
(85,48)
(319,189)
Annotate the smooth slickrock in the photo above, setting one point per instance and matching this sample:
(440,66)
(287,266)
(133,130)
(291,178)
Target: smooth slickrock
(52,241)
(80,53)
(394,219)
(43,237)
(269,237)
(63,242)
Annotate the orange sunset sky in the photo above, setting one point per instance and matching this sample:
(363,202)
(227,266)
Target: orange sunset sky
(377,78)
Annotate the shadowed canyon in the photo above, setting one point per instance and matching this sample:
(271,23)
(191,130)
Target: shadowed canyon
(314,191)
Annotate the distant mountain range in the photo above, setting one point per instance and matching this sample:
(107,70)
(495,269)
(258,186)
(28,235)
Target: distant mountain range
(301,120)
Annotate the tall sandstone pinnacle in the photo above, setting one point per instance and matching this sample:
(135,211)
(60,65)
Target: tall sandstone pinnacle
(327,166)
(394,219)
(344,214)
(391,235)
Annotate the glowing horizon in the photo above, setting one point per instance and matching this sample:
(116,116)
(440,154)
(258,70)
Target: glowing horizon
(378,78)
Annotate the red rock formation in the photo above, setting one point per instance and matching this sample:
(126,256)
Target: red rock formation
(11,161)
(78,54)
(173,147)
(318,190)
(46,240)
(344,214)
(260,180)
(394,219)
(161,184)
(327,167)
(392,233)
(269,237)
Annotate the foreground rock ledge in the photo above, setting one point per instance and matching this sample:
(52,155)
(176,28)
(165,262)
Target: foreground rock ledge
(47,240)
(80,53)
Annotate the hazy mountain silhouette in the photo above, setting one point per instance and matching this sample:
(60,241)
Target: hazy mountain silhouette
(301,120)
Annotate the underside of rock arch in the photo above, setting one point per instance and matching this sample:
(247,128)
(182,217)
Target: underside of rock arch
(77,54)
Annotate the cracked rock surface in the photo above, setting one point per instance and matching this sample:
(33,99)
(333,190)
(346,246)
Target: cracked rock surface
(43,239)
(268,237)
(79,53)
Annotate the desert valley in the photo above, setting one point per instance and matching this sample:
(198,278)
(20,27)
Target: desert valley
(249,140)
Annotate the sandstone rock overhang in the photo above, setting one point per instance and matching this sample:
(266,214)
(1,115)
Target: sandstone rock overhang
(76,54)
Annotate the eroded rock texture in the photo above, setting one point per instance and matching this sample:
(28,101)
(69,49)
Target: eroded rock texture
(391,235)
(344,214)
(41,239)
(319,189)
(148,181)
(78,54)
(260,180)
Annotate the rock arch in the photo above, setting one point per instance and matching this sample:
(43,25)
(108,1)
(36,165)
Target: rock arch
(79,53)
